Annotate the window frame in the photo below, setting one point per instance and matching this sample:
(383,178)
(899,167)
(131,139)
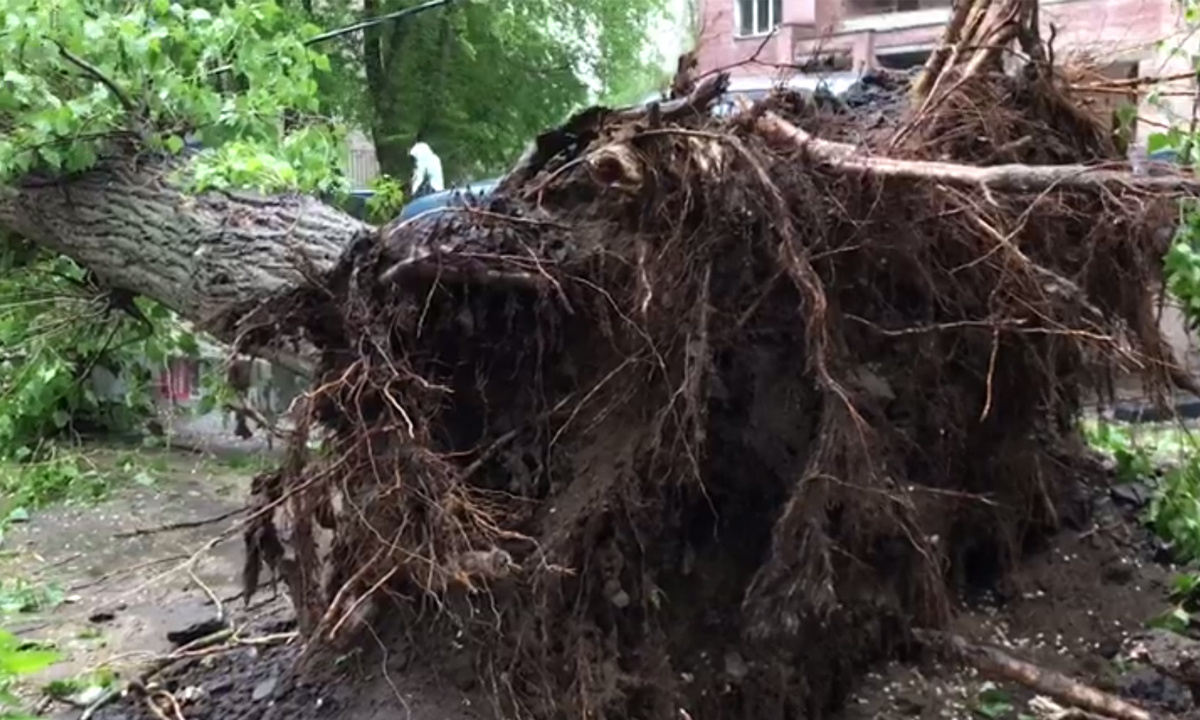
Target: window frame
(774,7)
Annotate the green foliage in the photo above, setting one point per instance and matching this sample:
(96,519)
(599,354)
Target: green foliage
(83,689)
(302,160)
(1182,264)
(55,476)
(1174,512)
(58,335)
(1185,598)
(18,660)
(1134,461)
(387,200)
(477,80)
(18,597)
(79,73)
(992,703)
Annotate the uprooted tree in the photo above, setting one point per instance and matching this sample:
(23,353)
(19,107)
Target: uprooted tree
(737,401)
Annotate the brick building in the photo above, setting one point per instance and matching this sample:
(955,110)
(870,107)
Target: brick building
(862,34)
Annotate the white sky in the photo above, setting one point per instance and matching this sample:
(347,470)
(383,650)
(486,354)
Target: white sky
(673,32)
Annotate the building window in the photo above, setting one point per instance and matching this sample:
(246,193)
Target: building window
(861,8)
(758,17)
(904,60)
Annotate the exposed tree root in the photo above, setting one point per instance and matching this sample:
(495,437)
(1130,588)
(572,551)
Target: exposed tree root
(689,386)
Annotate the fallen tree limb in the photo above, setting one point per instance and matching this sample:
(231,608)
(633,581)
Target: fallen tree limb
(184,525)
(1000,665)
(844,157)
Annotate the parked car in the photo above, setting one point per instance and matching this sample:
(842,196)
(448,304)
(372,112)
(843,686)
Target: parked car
(453,197)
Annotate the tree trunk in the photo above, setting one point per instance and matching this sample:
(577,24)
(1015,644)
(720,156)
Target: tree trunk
(195,254)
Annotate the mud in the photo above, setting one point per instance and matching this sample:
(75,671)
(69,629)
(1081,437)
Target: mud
(121,596)
(1074,606)
(251,685)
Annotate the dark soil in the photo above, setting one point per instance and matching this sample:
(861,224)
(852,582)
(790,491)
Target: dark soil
(1072,606)
(250,683)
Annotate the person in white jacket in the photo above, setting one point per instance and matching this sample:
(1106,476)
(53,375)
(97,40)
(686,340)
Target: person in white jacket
(427,174)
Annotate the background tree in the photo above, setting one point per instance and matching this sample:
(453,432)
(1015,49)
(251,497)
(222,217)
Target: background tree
(99,101)
(478,79)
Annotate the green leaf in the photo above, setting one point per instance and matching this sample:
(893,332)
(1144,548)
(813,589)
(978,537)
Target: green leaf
(26,662)
(993,703)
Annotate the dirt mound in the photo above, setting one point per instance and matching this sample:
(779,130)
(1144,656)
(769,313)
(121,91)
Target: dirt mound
(709,414)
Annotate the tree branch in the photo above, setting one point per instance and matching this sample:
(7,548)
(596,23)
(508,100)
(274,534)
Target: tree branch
(94,72)
(365,24)
(378,20)
(992,661)
(844,157)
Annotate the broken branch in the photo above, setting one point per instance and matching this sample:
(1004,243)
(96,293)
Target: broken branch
(996,663)
(184,525)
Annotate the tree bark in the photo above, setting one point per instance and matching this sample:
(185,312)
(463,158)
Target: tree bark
(198,255)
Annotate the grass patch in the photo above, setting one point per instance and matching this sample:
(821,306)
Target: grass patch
(18,659)
(1139,449)
(60,476)
(1165,458)
(21,597)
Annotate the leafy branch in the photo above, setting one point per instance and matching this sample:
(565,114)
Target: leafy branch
(99,77)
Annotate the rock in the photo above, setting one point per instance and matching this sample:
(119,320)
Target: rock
(1169,653)
(735,667)
(1109,647)
(221,686)
(1164,554)
(874,384)
(1134,495)
(88,695)
(196,631)
(102,617)
(275,627)
(1117,573)
(263,690)
(910,704)
(1149,685)
(621,599)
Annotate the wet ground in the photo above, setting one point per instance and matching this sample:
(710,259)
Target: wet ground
(108,597)
(1077,607)
(1074,606)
